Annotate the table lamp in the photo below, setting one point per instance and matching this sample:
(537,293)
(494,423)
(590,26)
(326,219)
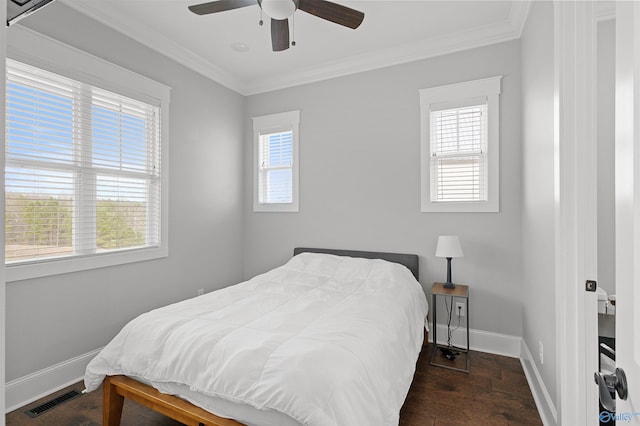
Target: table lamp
(448,247)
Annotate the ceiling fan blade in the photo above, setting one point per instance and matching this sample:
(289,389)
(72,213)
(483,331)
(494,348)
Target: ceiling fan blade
(333,12)
(279,34)
(220,6)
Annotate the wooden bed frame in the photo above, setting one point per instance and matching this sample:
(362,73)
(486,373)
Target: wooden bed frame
(116,388)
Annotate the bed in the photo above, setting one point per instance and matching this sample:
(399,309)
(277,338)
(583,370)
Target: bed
(329,338)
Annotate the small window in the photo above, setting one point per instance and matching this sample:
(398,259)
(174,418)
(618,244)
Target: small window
(459,154)
(276,168)
(276,162)
(459,158)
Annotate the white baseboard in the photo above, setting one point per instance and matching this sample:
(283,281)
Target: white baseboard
(24,390)
(481,341)
(545,404)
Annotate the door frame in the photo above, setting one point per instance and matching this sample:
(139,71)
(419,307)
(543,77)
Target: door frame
(575,182)
(627,200)
(3,305)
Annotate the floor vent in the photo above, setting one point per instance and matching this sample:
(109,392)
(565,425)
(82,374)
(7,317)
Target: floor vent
(42,408)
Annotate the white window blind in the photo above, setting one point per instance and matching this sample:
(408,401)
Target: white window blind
(275,181)
(82,173)
(459,154)
(460,146)
(276,168)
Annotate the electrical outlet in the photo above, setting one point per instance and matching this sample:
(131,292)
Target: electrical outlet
(541,352)
(200,291)
(460,309)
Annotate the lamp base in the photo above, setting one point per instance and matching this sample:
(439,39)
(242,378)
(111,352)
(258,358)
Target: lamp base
(449,284)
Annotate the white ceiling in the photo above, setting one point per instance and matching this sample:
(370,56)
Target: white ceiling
(392,32)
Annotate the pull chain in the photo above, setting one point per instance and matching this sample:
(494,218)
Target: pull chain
(261,22)
(293,29)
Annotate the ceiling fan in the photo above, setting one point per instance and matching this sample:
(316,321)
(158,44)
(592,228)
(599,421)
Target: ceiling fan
(281,10)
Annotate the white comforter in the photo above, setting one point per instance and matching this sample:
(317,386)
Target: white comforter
(327,340)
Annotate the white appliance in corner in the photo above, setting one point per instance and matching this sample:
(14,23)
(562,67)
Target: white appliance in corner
(606,303)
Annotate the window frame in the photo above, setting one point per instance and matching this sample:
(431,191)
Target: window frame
(32,48)
(451,96)
(276,123)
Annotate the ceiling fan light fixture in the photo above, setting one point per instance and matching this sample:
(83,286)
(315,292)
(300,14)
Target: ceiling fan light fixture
(278,9)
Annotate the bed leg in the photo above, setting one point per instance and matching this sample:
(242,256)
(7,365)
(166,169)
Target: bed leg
(112,404)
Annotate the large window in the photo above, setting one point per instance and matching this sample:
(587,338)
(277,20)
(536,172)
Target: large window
(82,168)
(276,162)
(459,157)
(83,175)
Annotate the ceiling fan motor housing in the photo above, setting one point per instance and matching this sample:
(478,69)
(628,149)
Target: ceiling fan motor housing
(279,9)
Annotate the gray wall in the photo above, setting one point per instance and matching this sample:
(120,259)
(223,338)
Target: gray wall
(606,168)
(538,218)
(360,179)
(606,155)
(53,319)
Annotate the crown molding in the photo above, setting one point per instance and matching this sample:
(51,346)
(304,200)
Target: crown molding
(156,41)
(519,14)
(470,39)
(507,30)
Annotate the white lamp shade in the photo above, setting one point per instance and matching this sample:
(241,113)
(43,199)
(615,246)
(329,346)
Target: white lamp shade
(449,246)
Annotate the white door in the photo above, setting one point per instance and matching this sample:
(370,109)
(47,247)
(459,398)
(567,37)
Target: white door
(576,211)
(628,207)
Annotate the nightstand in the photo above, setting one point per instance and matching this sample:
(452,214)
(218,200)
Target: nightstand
(458,293)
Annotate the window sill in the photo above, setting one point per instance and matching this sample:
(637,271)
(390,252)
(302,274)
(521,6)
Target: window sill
(276,208)
(461,207)
(25,271)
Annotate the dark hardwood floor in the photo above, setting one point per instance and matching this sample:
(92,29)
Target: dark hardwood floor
(495,392)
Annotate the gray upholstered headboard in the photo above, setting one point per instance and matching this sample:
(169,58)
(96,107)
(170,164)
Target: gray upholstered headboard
(408,260)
